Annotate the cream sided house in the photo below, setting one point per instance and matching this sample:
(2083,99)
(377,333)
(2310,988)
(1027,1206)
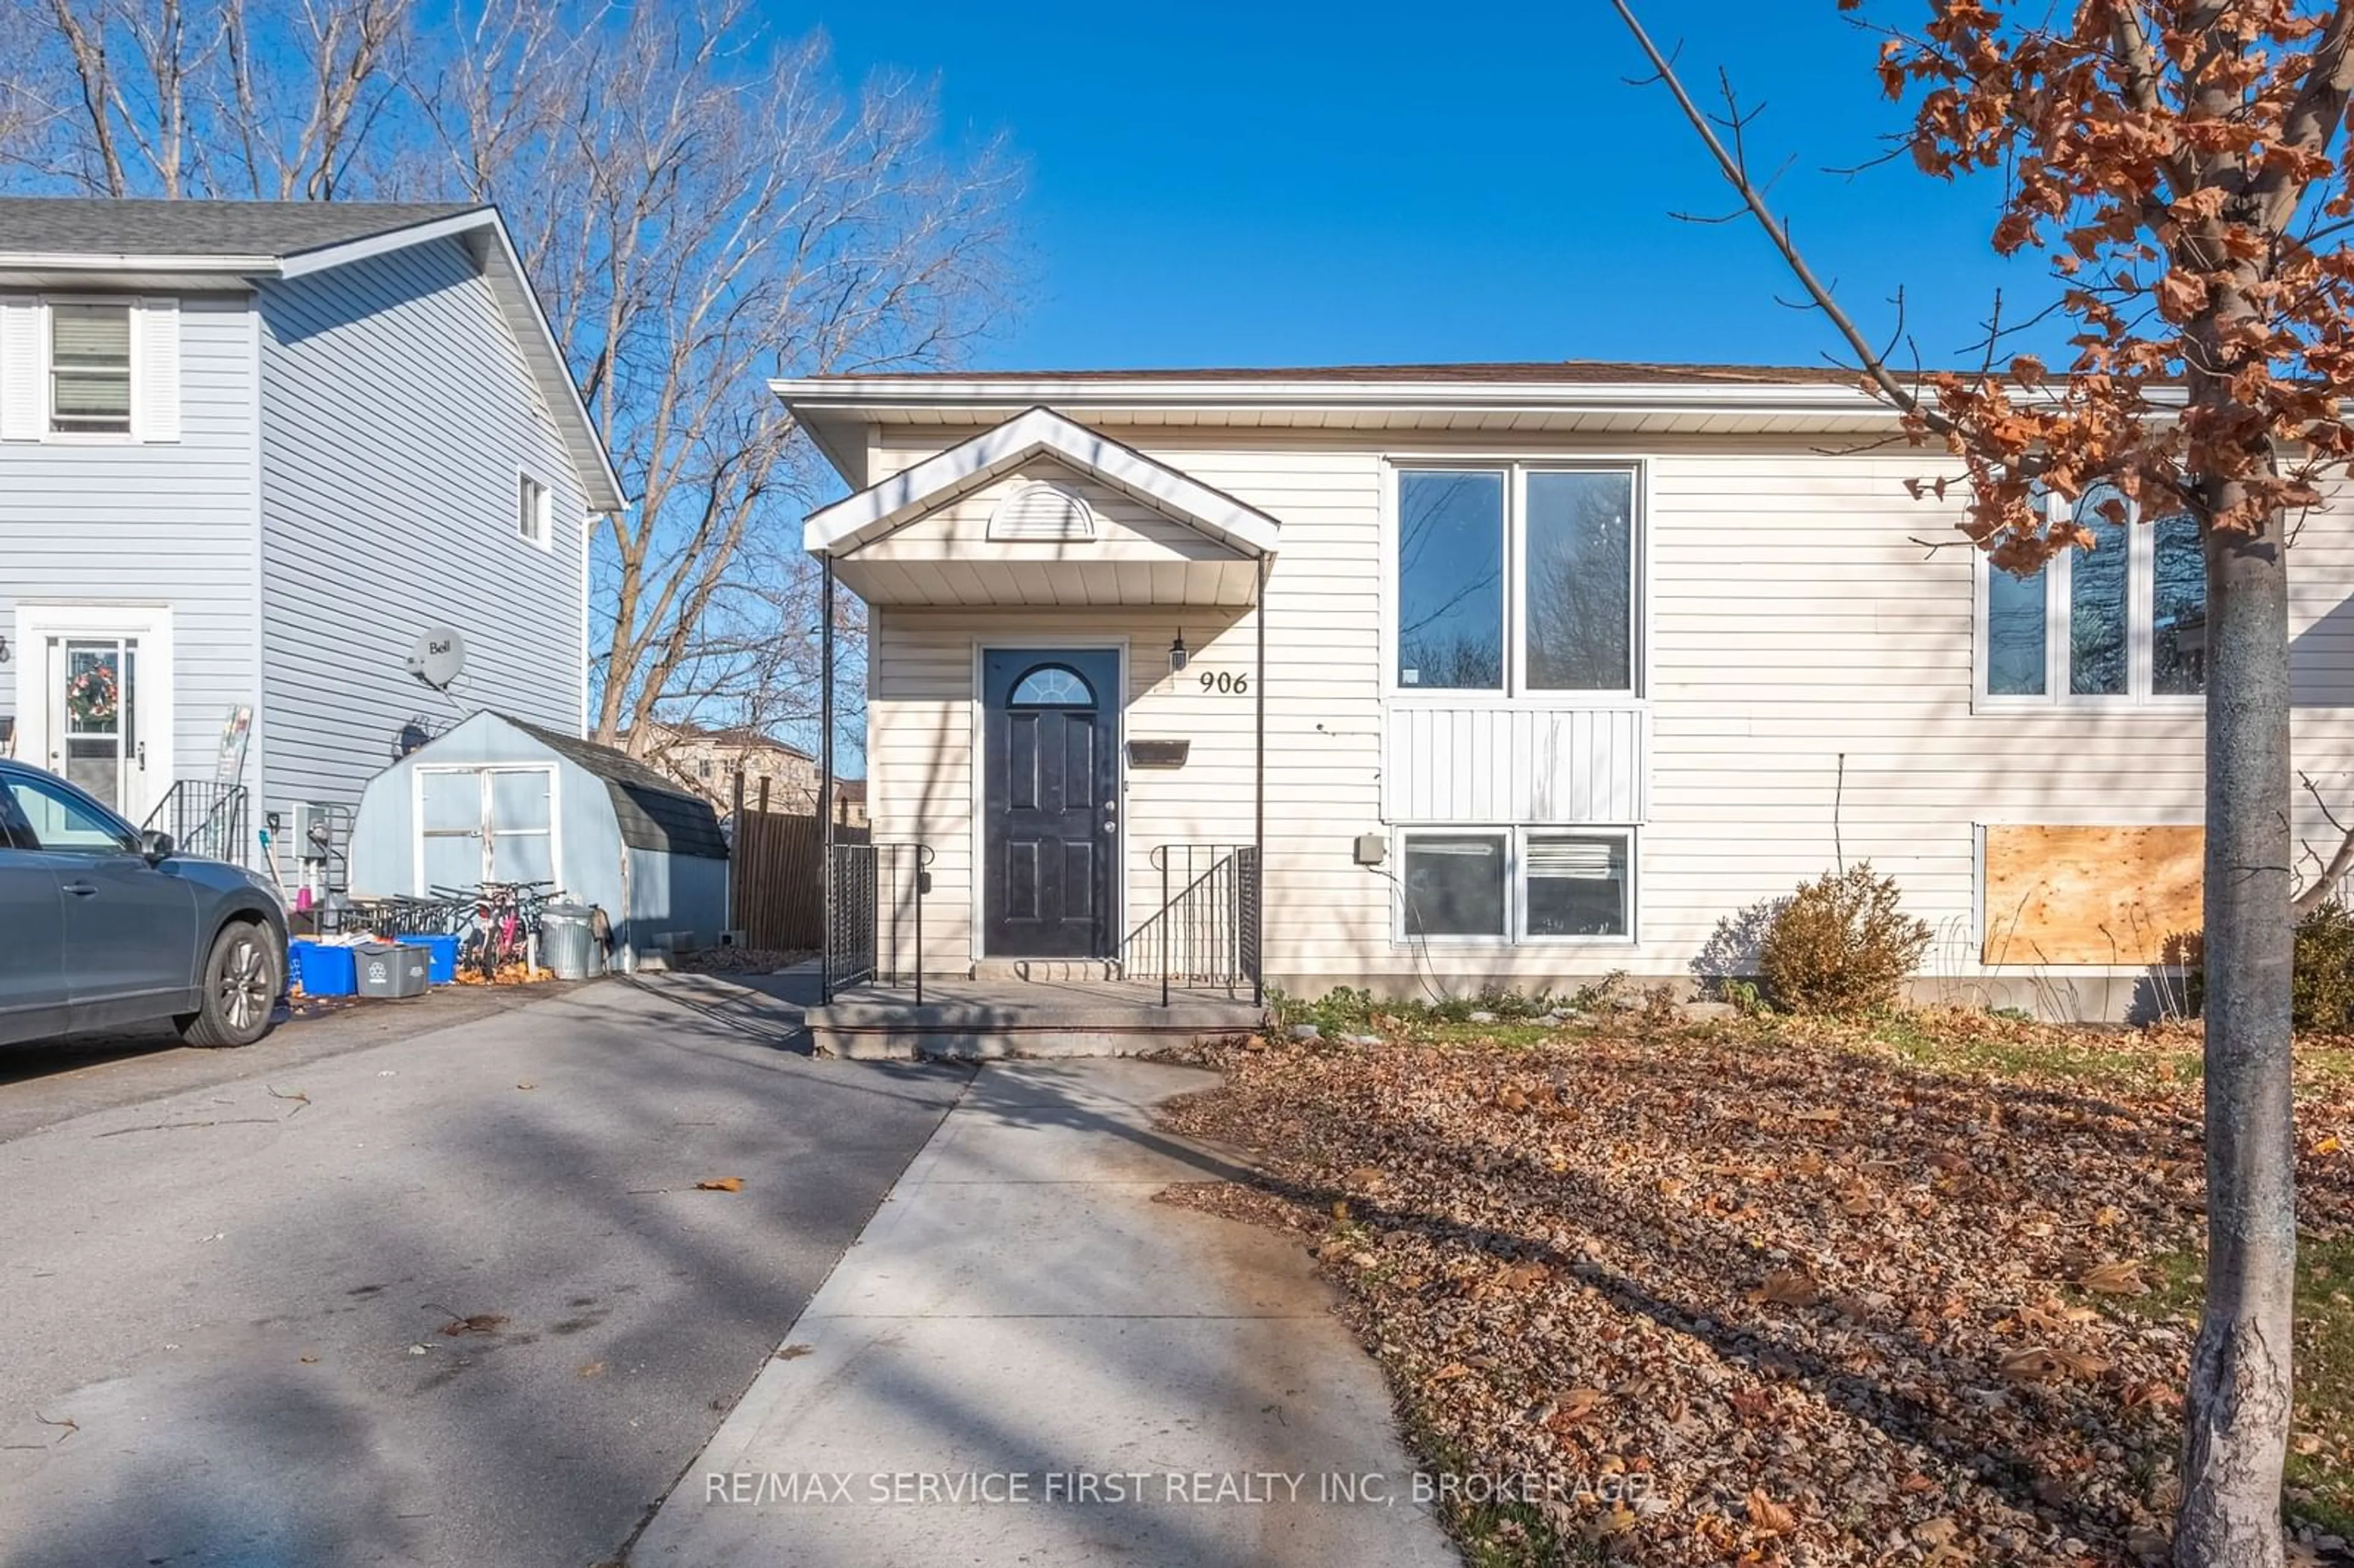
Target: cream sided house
(1429,678)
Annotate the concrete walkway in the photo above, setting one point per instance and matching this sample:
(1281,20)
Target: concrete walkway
(1025,1361)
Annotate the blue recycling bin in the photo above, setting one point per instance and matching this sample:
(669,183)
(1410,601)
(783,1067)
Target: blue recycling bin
(441,957)
(323,969)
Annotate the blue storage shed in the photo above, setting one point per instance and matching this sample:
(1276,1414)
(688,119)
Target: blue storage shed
(496,800)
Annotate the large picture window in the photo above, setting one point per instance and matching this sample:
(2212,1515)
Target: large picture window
(1516,578)
(1517,884)
(2123,622)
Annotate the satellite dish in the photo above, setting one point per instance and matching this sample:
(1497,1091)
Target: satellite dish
(438,658)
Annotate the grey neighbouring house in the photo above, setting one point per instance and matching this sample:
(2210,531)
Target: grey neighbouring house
(250,453)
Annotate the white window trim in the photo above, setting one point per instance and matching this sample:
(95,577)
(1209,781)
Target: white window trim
(481,770)
(2141,589)
(1516,836)
(1515,692)
(543,536)
(50,435)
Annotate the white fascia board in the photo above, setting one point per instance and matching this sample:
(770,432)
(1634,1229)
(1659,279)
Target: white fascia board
(304,262)
(880,392)
(1146,392)
(537,336)
(879,508)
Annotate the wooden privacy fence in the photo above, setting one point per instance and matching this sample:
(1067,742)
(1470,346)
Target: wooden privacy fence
(777,881)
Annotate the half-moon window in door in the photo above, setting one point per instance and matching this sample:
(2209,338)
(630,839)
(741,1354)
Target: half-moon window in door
(1052,686)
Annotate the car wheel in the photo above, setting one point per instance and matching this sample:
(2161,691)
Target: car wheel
(242,977)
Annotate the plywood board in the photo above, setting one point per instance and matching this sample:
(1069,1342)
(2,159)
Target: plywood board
(2089,896)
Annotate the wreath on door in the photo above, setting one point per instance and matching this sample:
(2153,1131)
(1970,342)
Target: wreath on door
(93,697)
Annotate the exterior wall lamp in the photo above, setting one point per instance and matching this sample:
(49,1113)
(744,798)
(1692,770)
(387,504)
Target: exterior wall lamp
(1179,656)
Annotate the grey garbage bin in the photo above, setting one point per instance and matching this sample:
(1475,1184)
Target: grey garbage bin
(566,944)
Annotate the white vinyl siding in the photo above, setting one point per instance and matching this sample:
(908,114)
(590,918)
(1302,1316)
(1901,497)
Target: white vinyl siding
(1809,699)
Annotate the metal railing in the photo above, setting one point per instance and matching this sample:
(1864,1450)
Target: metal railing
(202,818)
(871,885)
(1205,935)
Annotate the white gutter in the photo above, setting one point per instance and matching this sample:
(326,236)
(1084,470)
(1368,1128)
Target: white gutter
(1149,392)
(85,262)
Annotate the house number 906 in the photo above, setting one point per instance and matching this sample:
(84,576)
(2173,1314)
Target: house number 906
(1225,682)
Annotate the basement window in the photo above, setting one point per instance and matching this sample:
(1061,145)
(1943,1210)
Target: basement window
(1517,884)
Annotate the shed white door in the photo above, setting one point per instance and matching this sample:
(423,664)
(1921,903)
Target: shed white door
(485,824)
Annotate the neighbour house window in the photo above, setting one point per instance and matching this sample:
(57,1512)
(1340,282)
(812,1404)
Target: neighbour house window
(2123,622)
(533,518)
(89,369)
(1516,579)
(1528,883)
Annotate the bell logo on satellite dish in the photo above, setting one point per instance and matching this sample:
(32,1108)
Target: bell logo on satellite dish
(438,658)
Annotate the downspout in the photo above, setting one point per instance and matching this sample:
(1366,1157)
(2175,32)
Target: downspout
(1259,825)
(825,780)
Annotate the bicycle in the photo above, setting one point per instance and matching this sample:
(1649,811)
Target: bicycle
(500,922)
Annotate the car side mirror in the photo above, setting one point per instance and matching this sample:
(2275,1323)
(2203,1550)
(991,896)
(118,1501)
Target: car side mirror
(155,846)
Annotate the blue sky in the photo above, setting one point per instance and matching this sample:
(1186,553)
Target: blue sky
(1224,183)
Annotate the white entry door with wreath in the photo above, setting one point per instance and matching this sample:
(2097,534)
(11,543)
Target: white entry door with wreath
(94,700)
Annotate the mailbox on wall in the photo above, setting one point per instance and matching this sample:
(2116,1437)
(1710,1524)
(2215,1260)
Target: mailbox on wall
(1157,753)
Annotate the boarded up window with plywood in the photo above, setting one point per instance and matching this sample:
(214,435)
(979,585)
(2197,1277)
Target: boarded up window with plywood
(2089,896)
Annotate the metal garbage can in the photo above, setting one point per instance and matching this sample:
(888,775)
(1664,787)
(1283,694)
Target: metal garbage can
(566,945)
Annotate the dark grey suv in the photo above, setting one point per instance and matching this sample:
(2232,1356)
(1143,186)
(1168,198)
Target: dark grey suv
(100,927)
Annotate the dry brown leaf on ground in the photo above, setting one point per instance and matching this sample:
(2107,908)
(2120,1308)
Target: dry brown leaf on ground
(2114,1280)
(1577,1405)
(1787,1288)
(1690,1212)
(2043,1363)
(721,1184)
(1769,1516)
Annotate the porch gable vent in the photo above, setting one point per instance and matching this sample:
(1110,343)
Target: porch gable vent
(1043,511)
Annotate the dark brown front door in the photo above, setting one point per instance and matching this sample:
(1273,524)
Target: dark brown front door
(1051,802)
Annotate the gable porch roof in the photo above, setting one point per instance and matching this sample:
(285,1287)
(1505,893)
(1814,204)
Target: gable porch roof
(870,514)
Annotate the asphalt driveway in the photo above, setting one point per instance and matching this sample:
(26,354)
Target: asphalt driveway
(449,1298)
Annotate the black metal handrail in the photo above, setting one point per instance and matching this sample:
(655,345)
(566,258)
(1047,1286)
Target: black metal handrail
(864,902)
(202,818)
(1205,935)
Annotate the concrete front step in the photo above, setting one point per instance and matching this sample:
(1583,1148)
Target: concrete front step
(968,1028)
(1054,971)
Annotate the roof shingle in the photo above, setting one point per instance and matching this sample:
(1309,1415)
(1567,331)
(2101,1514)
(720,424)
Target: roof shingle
(97,225)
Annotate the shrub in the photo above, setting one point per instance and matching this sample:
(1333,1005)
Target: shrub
(2321,986)
(1842,944)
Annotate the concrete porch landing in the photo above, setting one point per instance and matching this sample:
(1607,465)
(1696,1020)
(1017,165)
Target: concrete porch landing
(970,1020)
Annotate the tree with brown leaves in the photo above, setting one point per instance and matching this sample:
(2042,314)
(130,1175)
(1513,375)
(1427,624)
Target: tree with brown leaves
(2184,167)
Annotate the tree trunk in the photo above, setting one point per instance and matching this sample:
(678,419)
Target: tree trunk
(2237,1415)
